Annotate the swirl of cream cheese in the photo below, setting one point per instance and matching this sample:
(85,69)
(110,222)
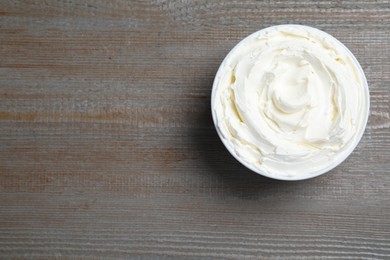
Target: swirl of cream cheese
(290,100)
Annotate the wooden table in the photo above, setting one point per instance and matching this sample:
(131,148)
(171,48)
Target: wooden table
(107,147)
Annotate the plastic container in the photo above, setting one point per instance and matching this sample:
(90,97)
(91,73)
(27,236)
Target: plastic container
(351,146)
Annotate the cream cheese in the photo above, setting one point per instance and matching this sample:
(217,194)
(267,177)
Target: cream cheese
(290,100)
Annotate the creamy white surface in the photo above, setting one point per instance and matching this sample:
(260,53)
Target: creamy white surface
(290,101)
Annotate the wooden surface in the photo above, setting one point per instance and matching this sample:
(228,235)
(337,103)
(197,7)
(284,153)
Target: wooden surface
(107,148)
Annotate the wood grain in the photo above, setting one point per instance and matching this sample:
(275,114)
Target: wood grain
(107,148)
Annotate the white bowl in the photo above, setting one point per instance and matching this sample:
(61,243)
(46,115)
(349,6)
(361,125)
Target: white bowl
(309,175)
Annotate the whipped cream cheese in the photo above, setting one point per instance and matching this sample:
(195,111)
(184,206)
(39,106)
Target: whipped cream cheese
(290,100)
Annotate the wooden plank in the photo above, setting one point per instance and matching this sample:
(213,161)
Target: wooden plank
(107,147)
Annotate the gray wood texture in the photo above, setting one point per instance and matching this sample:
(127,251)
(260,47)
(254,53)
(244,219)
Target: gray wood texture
(107,147)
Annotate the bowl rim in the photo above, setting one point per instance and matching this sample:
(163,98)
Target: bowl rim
(309,175)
